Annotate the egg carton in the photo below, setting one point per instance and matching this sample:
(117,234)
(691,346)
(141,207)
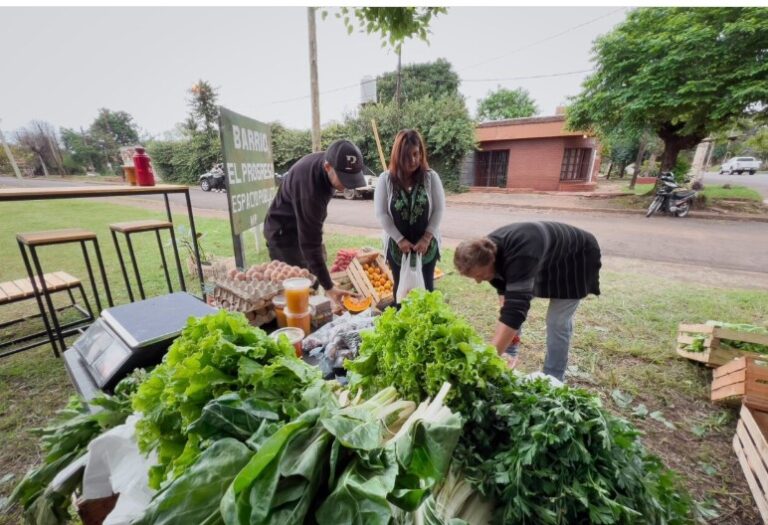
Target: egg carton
(245,296)
(260,317)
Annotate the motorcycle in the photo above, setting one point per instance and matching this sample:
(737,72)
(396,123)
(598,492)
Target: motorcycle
(213,180)
(671,197)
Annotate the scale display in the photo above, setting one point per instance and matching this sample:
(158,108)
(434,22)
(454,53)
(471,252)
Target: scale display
(127,337)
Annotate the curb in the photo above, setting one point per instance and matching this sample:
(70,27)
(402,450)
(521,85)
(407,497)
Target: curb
(694,214)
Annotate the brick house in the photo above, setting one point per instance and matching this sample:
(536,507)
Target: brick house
(535,153)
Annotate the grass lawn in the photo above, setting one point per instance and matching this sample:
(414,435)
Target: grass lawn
(734,192)
(640,189)
(712,193)
(622,349)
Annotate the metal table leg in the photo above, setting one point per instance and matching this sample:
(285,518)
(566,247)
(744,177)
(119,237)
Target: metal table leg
(39,299)
(194,242)
(47,296)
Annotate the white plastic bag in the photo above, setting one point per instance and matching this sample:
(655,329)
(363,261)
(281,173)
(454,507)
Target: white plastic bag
(115,465)
(411,278)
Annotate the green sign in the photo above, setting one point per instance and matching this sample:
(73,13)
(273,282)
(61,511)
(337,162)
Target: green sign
(247,149)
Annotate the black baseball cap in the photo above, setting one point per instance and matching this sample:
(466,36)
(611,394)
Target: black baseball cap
(347,161)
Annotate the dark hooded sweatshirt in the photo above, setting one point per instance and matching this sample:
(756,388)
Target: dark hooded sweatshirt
(298,211)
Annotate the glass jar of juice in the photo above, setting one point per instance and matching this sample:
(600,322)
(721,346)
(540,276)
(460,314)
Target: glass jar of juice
(302,320)
(295,337)
(297,294)
(279,303)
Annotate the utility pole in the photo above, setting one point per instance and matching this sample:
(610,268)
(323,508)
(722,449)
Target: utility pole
(9,154)
(313,78)
(398,84)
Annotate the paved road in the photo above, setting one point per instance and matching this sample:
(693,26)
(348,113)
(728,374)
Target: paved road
(699,242)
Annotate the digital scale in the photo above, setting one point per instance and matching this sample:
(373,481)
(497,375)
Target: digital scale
(128,337)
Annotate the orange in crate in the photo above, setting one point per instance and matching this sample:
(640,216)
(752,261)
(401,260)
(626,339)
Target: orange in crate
(371,277)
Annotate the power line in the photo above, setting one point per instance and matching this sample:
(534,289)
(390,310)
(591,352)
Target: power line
(532,44)
(546,39)
(357,84)
(528,77)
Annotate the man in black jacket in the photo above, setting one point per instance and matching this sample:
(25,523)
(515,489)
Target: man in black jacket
(294,224)
(535,259)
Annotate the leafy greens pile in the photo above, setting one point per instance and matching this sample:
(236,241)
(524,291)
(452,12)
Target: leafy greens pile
(543,454)
(263,440)
(217,355)
(332,464)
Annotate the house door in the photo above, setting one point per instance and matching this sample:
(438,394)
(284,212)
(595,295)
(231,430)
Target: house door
(491,168)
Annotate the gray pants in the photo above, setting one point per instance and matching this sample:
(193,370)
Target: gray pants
(559,329)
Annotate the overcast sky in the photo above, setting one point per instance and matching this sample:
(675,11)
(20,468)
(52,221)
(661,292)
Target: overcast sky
(62,64)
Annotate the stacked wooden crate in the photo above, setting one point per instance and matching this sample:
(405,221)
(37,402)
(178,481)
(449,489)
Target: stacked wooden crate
(739,377)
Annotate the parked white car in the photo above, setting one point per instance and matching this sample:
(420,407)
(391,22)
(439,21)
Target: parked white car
(364,192)
(739,165)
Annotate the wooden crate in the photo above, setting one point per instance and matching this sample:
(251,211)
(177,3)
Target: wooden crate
(715,354)
(751,447)
(744,380)
(361,282)
(342,280)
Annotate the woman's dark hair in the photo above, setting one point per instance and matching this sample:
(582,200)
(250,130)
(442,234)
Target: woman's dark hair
(404,141)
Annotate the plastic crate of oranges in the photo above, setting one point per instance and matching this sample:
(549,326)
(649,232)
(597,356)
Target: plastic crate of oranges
(379,280)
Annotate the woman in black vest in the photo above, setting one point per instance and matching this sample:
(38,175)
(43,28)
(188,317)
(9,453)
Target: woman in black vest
(409,202)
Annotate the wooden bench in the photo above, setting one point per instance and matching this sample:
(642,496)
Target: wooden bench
(21,290)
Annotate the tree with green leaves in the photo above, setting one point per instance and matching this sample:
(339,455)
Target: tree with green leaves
(435,79)
(110,130)
(395,25)
(185,160)
(203,106)
(758,143)
(289,145)
(680,72)
(444,123)
(82,151)
(116,127)
(506,103)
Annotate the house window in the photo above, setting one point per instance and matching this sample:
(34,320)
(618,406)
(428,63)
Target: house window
(575,166)
(491,168)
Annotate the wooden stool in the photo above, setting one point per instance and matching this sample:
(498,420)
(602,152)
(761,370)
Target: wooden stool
(128,228)
(22,289)
(32,241)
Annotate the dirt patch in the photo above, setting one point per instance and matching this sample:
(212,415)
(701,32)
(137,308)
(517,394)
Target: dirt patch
(737,206)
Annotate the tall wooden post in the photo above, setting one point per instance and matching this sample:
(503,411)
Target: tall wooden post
(313,78)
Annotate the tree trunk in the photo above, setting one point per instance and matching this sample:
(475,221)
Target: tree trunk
(610,167)
(638,161)
(42,163)
(674,143)
(669,156)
